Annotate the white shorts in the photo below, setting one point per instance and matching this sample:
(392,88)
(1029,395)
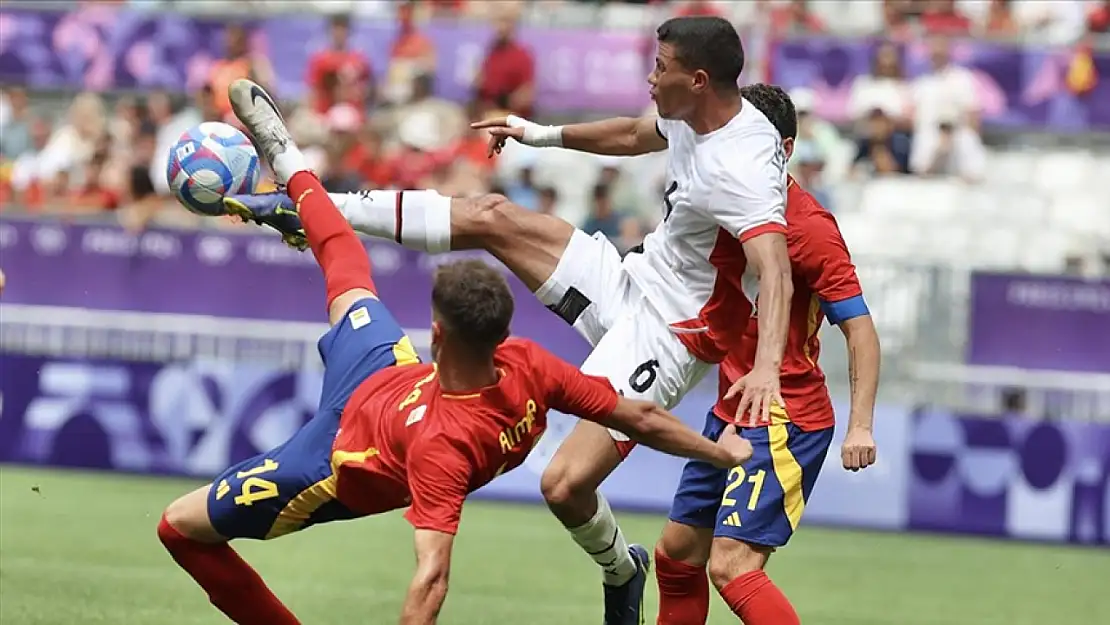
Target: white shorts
(633,346)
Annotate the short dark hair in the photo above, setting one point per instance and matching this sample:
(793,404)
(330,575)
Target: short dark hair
(776,104)
(474,303)
(340,19)
(710,44)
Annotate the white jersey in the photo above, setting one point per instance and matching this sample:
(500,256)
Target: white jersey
(723,188)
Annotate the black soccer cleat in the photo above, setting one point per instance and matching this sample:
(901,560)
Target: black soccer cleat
(624,605)
(274,209)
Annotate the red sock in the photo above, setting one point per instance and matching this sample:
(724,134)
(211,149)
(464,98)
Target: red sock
(757,601)
(337,248)
(683,592)
(232,585)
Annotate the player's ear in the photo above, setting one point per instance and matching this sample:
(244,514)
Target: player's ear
(437,332)
(699,81)
(788,147)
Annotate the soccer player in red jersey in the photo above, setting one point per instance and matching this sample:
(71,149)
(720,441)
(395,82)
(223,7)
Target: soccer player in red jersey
(730,521)
(391,432)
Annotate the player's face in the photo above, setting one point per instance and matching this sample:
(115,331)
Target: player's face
(673,87)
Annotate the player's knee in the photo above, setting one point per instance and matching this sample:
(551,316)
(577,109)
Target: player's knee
(489,216)
(563,489)
(730,559)
(188,517)
(686,544)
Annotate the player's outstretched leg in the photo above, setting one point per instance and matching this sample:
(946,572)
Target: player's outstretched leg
(232,585)
(338,250)
(529,244)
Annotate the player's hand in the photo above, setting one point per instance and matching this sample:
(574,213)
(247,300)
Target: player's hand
(499,132)
(758,391)
(858,451)
(738,447)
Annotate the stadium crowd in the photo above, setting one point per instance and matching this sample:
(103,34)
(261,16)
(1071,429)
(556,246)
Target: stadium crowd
(375,122)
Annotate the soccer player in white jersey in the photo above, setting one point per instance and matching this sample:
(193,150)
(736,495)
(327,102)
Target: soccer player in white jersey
(658,319)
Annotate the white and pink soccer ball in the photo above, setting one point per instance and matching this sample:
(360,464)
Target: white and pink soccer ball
(208,162)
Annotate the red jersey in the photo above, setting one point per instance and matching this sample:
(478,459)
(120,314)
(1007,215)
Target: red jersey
(507,67)
(349,67)
(403,441)
(823,275)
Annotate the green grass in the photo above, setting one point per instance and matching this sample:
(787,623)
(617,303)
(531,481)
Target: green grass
(81,548)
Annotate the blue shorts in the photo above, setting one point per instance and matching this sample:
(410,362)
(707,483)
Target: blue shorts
(292,486)
(760,502)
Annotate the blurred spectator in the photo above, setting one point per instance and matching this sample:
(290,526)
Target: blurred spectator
(96,193)
(693,8)
(884,88)
(941,17)
(882,149)
(1098,18)
(141,198)
(339,74)
(813,130)
(15,125)
(508,71)
(473,147)
(1058,21)
(32,174)
(548,201)
(238,62)
(123,124)
(947,96)
(622,189)
(448,119)
(369,160)
(795,17)
(1000,21)
(602,217)
(416,159)
(339,176)
(72,145)
(343,123)
(522,189)
(808,165)
(898,26)
(952,150)
(413,56)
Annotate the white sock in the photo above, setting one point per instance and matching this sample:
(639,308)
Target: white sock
(424,216)
(603,540)
(288,163)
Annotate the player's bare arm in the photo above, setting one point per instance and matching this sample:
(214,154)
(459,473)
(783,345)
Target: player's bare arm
(647,423)
(618,136)
(864,356)
(767,253)
(429,584)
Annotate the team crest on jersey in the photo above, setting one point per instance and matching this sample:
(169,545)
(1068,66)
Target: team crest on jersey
(359,317)
(416,415)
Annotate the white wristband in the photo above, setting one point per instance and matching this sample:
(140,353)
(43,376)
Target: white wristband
(535,134)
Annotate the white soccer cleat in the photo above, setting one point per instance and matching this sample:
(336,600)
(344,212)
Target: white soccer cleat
(256,109)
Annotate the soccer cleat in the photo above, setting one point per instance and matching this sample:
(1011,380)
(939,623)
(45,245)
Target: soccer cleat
(624,605)
(274,209)
(256,109)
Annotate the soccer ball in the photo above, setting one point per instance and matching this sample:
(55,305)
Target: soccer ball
(208,162)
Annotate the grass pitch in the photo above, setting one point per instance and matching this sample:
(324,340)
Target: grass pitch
(81,548)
